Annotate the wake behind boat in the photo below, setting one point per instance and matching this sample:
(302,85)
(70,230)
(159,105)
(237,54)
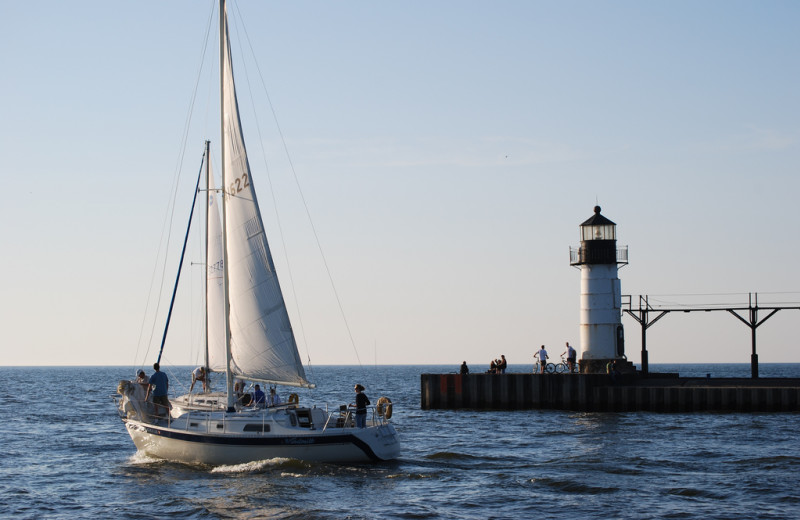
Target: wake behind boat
(249,336)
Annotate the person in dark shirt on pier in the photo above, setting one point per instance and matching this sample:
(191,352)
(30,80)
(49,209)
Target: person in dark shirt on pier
(611,369)
(501,366)
(571,357)
(464,368)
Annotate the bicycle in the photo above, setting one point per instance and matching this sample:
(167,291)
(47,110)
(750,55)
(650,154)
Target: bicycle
(560,368)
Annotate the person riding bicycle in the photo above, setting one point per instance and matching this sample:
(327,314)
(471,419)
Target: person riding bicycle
(571,357)
(542,355)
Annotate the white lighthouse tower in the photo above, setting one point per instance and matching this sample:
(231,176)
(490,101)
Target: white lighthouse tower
(598,258)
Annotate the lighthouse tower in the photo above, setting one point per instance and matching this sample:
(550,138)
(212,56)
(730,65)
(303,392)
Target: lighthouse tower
(598,258)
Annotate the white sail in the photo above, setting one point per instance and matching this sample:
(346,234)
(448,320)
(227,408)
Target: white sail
(215,290)
(262,344)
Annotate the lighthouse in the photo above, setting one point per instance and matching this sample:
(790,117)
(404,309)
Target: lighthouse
(598,257)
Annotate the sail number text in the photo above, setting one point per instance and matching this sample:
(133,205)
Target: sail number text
(237,186)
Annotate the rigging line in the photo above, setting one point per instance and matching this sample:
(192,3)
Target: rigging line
(171,208)
(305,206)
(180,264)
(272,190)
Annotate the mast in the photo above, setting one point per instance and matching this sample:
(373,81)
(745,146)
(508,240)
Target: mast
(208,205)
(222,63)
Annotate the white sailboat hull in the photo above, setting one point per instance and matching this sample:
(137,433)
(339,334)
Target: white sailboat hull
(196,441)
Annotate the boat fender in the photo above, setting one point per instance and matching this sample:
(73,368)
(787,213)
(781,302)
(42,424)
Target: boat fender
(385,407)
(293,399)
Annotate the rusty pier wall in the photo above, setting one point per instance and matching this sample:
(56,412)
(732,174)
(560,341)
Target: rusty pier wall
(599,393)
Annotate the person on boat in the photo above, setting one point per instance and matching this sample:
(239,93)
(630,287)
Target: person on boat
(464,369)
(199,374)
(362,401)
(242,398)
(274,399)
(159,385)
(571,357)
(502,364)
(543,357)
(142,378)
(259,398)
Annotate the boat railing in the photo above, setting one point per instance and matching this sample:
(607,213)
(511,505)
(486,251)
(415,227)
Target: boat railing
(344,418)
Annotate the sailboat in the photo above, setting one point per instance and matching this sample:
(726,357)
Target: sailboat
(250,337)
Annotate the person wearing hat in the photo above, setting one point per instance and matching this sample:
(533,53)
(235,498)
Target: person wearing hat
(362,401)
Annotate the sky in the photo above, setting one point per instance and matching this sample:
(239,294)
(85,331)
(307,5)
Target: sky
(446,151)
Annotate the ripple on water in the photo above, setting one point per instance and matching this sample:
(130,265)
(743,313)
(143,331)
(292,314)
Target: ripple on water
(696,493)
(572,486)
(450,455)
(771,462)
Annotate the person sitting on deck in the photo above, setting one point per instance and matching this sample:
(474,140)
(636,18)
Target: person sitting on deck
(242,398)
(274,399)
(259,398)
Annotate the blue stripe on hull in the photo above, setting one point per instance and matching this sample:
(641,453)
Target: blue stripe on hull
(265,441)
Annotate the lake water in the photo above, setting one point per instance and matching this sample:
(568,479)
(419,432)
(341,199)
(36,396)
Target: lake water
(65,454)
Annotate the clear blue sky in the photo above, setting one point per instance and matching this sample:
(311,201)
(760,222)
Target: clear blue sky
(447,150)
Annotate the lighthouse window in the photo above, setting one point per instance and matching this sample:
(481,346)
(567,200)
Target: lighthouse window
(603,232)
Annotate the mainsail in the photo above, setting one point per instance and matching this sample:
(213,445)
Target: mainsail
(262,344)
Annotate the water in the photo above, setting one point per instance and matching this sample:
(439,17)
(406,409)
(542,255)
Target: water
(65,454)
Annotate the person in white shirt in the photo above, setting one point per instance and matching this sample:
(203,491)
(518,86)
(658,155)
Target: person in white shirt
(199,374)
(542,355)
(273,399)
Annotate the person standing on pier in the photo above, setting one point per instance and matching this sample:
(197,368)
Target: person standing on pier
(543,357)
(571,357)
(464,369)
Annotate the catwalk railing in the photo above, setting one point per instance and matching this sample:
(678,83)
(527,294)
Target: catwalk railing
(647,314)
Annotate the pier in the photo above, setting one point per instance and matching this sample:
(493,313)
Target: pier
(600,393)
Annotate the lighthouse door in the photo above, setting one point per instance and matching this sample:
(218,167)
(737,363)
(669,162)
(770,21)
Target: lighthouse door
(620,341)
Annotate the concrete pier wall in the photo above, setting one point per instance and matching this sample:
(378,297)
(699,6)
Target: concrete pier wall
(598,393)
